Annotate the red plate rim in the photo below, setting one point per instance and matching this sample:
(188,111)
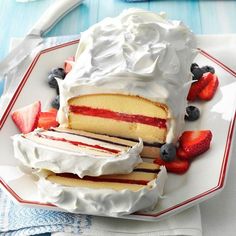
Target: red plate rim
(224,165)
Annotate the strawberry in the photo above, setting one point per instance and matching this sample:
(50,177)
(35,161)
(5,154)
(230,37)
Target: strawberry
(208,92)
(26,118)
(177,166)
(53,110)
(69,64)
(193,143)
(47,120)
(198,86)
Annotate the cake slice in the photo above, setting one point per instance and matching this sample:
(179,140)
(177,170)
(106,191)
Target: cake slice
(130,79)
(136,180)
(118,115)
(148,151)
(75,152)
(110,195)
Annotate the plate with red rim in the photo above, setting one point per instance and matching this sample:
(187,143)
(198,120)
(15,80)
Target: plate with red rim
(205,178)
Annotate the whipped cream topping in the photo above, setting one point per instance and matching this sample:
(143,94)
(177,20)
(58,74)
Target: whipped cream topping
(103,202)
(44,156)
(137,53)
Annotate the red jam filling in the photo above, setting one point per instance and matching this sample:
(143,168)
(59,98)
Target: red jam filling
(76,143)
(89,111)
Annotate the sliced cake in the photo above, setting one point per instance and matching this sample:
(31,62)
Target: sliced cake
(130,79)
(148,151)
(105,195)
(67,151)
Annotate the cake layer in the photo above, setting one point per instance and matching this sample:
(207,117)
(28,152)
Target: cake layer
(71,182)
(149,150)
(116,128)
(119,115)
(121,103)
(78,143)
(140,177)
(109,114)
(73,153)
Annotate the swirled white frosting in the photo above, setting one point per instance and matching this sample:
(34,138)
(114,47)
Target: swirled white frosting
(137,53)
(42,156)
(103,202)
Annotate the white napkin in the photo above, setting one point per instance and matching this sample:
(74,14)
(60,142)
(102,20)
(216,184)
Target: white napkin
(185,223)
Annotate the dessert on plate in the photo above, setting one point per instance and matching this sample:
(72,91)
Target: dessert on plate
(130,79)
(112,195)
(125,96)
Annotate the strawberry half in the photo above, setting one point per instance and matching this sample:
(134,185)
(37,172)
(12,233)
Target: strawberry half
(177,166)
(193,143)
(47,120)
(209,90)
(69,64)
(198,86)
(26,118)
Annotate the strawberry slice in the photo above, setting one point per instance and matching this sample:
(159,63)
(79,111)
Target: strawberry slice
(198,86)
(177,166)
(209,90)
(26,118)
(194,143)
(47,120)
(69,64)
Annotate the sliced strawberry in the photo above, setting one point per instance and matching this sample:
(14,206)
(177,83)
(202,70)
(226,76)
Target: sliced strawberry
(209,90)
(47,120)
(194,143)
(53,110)
(177,166)
(69,64)
(26,118)
(180,153)
(198,86)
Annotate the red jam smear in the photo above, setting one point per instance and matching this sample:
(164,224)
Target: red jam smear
(89,111)
(76,143)
(100,179)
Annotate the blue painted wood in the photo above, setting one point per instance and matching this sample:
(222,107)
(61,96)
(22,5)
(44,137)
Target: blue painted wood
(201,16)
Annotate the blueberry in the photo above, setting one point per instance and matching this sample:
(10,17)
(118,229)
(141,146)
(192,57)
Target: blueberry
(208,69)
(168,152)
(52,81)
(193,66)
(56,102)
(192,113)
(58,72)
(197,73)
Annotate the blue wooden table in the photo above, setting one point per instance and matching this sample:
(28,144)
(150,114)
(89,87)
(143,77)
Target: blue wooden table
(203,17)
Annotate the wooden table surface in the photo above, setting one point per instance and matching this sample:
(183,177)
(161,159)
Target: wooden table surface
(203,17)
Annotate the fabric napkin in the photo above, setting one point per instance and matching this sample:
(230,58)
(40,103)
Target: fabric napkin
(16,220)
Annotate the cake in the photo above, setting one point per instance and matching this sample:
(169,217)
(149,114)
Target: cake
(124,97)
(82,153)
(130,79)
(113,195)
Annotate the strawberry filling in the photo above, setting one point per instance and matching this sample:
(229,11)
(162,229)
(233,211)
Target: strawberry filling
(100,179)
(89,111)
(76,143)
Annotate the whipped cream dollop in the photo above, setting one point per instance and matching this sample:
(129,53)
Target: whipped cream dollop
(43,156)
(103,202)
(136,53)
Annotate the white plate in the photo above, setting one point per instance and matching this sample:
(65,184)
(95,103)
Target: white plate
(204,179)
